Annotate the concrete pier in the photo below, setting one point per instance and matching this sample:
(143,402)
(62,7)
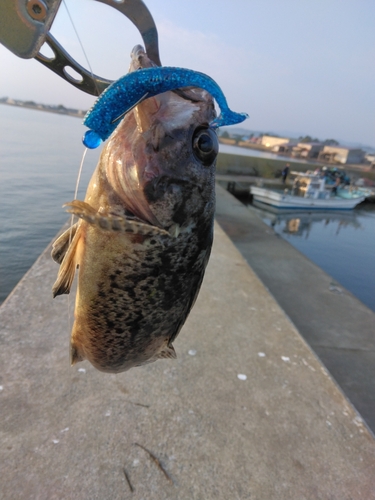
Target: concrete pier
(247,411)
(339,328)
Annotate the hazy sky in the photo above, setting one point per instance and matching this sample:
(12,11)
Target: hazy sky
(301,66)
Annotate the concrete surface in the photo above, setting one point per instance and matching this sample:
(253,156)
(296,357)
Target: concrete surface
(339,328)
(286,432)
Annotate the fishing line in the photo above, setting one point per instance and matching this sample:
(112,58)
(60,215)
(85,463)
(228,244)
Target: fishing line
(70,305)
(77,184)
(83,156)
(71,227)
(76,192)
(72,222)
(79,173)
(92,75)
(81,44)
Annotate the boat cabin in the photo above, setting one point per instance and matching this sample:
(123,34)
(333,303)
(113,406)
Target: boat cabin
(310,185)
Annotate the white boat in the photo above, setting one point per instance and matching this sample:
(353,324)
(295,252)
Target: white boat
(309,191)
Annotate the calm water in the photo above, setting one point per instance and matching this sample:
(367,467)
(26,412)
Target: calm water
(40,155)
(39,160)
(341,243)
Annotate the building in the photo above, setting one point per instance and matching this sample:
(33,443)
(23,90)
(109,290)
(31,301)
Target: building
(269,141)
(340,154)
(307,149)
(370,158)
(285,147)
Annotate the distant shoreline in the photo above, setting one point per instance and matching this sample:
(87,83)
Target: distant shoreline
(77,113)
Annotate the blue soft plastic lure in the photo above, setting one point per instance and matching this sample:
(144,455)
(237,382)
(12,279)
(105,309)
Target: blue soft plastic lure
(122,95)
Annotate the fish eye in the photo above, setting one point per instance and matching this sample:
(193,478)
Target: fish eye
(205,145)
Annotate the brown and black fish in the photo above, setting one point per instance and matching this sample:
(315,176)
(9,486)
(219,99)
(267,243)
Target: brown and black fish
(145,231)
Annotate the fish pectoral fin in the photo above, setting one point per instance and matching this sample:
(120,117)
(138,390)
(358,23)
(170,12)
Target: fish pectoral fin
(67,269)
(167,352)
(82,210)
(75,354)
(61,245)
(114,223)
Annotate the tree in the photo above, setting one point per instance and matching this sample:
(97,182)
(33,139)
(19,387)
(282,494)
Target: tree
(225,135)
(237,138)
(331,142)
(308,138)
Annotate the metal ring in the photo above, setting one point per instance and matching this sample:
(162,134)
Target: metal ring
(37,10)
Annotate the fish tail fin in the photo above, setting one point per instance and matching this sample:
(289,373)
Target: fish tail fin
(76,354)
(167,352)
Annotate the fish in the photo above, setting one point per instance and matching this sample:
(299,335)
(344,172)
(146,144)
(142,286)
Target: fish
(145,230)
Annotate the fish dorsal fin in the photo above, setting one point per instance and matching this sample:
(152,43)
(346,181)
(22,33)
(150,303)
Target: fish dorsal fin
(61,245)
(67,268)
(167,352)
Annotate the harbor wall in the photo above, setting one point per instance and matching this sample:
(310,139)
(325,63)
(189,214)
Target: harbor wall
(269,167)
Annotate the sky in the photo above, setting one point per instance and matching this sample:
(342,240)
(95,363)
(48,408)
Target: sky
(295,66)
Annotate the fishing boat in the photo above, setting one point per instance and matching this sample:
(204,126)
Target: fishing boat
(309,191)
(349,192)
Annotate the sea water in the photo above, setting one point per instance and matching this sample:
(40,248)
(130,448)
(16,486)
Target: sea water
(40,154)
(341,242)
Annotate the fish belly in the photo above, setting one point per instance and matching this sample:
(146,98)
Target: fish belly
(133,296)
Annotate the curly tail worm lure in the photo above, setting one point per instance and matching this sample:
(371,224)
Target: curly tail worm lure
(124,94)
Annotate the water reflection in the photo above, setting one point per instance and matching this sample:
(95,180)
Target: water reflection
(342,243)
(300,223)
